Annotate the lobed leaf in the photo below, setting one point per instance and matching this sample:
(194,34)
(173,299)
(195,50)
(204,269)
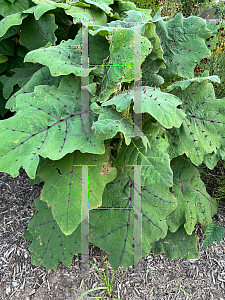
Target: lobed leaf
(178,245)
(183,43)
(63,181)
(195,205)
(49,123)
(111,228)
(49,244)
(202,130)
(44,6)
(155,164)
(162,106)
(110,122)
(213,233)
(16,6)
(37,33)
(9,21)
(40,77)
(119,68)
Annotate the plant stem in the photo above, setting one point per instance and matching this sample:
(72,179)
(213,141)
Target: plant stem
(120,141)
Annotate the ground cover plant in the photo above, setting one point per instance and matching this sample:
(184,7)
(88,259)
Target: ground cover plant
(107,112)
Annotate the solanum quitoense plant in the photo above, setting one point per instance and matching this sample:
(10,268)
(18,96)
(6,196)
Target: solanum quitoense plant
(73,96)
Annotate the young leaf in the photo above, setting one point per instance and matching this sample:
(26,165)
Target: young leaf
(162,106)
(156,171)
(110,122)
(213,233)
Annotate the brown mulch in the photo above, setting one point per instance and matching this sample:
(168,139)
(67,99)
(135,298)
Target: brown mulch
(178,279)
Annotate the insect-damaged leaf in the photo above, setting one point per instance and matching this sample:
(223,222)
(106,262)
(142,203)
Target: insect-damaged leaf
(63,185)
(111,228)
(49,123)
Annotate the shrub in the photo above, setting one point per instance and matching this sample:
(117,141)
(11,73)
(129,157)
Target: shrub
(70,74)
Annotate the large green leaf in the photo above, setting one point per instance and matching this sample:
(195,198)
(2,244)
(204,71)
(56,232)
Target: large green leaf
(62,188)
(37,33)
(119,67)
(49,244)
(41,77)
(62,59)
(195,205)
(102,4)
(155,164)
(178,245)
(9,21)
(49,123)
(183,43)
(111,228)
(44,6)
(162,106)
(110,122)
(21,77)
(202,130)
(185,83)
(80,14)
(7,47)
(8,8)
